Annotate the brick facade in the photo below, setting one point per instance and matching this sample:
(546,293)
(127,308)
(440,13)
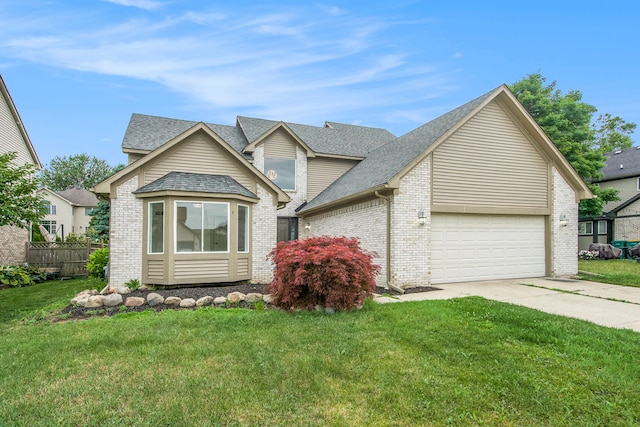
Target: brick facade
(410,242)
(564,239)
(125,254)
(13,245)
(365,220)
(264,235)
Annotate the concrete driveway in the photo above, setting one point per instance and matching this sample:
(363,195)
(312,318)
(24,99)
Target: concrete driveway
(600,303)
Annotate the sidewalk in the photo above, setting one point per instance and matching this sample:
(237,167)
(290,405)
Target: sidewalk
(600,303)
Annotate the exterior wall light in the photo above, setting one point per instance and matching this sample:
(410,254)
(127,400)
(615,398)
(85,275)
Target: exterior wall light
(422,219)
(563,220)
(307,226)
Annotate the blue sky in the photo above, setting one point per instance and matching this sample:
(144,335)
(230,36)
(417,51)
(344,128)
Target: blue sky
(78,69)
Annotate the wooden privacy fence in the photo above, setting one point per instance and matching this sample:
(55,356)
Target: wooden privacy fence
(68,259)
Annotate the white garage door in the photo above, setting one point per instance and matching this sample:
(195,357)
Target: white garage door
(485,247)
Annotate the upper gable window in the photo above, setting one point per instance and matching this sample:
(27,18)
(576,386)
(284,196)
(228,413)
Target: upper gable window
(638,184)
(281,171)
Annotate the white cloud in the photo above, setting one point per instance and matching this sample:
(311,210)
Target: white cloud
(295,65)
(140,4)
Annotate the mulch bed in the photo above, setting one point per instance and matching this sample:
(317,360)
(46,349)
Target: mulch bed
(75,312)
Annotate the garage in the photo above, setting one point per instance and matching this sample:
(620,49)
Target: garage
(468,247)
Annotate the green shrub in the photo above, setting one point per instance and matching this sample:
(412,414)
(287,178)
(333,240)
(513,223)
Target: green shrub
(18,276)
(333,272)
(75,238)
(133,284)
(97,262)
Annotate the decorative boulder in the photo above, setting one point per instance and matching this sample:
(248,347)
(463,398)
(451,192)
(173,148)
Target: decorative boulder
(188,302)
(204,301)
(154,299)
(172,301)
(122,290)
(95,301)
(111,300)
(253,297)
(219,300)
(268,299)
(234,297)
(134,301)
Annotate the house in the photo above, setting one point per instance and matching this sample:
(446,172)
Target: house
(14,138)
(69,211)
(478,193)
(620,220)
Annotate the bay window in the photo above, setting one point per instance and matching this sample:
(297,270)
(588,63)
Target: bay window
(156,228)
(202,227)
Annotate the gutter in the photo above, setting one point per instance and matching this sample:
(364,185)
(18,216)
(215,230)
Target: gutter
(388,200)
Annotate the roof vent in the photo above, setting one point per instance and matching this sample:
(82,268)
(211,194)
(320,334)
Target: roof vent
(621,166)
(618,151)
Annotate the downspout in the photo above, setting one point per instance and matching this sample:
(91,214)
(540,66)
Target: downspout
(388,200)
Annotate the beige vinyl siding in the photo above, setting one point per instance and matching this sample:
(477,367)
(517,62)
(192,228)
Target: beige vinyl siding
(489,162)
(134,157)
(243,267)
(323,171)
(208,270)
(627,187)
(198,154)
(155,269)
(279,144)
(10,137)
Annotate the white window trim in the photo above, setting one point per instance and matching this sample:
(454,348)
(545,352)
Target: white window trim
(248,228)
(175,228)
(164,212)
(605,227)
(586,233)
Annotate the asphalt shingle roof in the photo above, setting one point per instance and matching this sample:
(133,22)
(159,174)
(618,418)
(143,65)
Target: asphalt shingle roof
(79,197)
(388,160)
(196,182)
(336,138)
(629,159)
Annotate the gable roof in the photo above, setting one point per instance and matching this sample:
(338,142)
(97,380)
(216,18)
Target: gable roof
(332,139)
(146,133)
(196,182)
(105,186)
(18,121)
(621,164)
(79,197)
(383,167)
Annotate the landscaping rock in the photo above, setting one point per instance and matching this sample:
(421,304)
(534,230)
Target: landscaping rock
(145,288)
(81,300)
(112,300)
(234,297)
(172,301)
(154,299)
(253,297)
(268,299)
(219,300)
(329,310)
(134,302)
(95,301)
(84,295)
(122,290)
(188,302)
(204,301)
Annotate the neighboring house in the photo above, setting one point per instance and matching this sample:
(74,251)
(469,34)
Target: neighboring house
(69,211)
(620,220)
(478,193)
(14,138)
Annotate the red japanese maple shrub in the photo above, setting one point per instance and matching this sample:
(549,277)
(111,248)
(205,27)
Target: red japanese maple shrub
(332,272)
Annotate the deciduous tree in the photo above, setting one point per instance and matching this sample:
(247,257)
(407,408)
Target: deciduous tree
(19,203)
(76,171)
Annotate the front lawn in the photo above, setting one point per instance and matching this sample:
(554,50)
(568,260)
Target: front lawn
(615,271)
(459,362)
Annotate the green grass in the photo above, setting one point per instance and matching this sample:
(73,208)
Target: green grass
(459,362)
(614,271)
(16,303)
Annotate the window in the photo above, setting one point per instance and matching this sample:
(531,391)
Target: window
(602,227)
(243,228)
(638,184)
(281,171)
(156,228)
(202,227)
(585,228)
(51,209)
(88,211)
(50,226)
(287,229)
